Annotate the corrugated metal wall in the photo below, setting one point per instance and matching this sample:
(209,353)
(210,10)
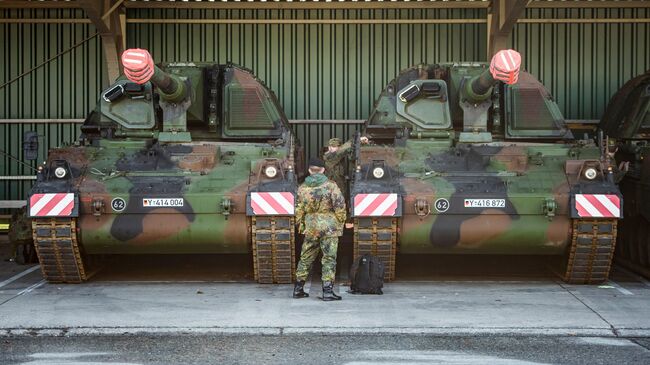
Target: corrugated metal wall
(66,87)
(584,64)
(319,71)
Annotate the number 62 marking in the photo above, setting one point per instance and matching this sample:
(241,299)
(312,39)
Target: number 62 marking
(441,205)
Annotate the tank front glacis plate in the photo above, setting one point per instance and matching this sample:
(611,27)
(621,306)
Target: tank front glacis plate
(489,199)
(166,199)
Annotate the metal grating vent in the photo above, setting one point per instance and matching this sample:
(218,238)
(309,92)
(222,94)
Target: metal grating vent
(531,111)
(246,108)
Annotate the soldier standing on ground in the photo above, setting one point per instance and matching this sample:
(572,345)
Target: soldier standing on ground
(320,215)
(335,160)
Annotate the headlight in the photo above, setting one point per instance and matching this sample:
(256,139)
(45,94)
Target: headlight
(270,171)
(591,173)
(60,172)
(378,172)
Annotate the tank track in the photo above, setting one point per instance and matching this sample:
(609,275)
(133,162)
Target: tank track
(274,244)
(591,252)
(55,240)
(378,237)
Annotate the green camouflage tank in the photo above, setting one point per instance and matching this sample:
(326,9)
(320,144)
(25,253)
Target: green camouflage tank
(176,158)
(472,158)
(627,121)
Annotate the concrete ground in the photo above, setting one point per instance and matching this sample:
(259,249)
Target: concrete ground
(212,294)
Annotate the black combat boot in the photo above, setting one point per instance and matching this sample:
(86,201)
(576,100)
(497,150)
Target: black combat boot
(299,291)
(328,292)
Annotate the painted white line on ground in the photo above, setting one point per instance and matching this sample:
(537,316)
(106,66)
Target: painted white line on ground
(102,282)
(19,275)
(620,288)
(66,355)
(29,289)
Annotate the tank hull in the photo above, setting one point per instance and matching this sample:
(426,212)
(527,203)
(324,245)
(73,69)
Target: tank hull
(492,233)
(167,233)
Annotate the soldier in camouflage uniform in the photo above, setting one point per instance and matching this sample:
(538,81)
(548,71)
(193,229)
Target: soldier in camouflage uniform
(335,160)
(320,215)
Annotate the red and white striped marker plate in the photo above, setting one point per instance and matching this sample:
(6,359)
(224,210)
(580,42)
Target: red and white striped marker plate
(273,203)
(51,205)
(375,205)
(598,205)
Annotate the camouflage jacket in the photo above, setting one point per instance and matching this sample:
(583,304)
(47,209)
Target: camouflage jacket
(334,164)
(320,207)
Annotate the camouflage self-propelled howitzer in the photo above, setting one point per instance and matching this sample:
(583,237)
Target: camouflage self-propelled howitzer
(627,122)
(477,158)
(181,158)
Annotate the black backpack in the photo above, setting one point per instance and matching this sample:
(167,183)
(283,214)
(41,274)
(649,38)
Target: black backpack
(367,275)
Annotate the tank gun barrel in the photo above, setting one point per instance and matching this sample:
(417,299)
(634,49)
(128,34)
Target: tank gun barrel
(504,67)
(140,68)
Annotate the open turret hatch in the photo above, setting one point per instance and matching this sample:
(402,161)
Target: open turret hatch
(424,103)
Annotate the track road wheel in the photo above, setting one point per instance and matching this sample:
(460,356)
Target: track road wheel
(590,255)
(274,243)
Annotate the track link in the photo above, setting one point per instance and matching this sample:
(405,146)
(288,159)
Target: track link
(591,252)
(274,245)
(55,240)
(378,237)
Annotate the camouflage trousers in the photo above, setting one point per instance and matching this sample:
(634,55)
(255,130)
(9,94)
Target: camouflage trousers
(310,249)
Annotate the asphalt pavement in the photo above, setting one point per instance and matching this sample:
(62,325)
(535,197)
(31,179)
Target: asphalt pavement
(323,350)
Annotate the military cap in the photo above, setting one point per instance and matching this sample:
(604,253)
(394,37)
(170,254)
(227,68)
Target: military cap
(316,162)
(335,142)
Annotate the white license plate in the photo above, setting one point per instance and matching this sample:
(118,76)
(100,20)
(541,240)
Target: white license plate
(485,203)
(158,202)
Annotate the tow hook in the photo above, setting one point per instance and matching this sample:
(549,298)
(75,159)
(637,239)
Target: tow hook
(226,207)
(422,208)
(98,206)
(549,208)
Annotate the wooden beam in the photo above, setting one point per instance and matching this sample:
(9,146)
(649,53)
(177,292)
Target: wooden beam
(110,31)
(292,121)
(584,21)
(304,21)
(536,4)
(22,4)
(124,21)
(509,12)
(45,21)
(297,5)
(112,9)
(39,121)
(122,17)
(505,14)
(588,4)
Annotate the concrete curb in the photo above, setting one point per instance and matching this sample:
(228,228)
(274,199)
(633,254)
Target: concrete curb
(296,331)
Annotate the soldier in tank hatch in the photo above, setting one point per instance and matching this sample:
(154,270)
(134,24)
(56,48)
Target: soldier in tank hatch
(320,216)
(335,160)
